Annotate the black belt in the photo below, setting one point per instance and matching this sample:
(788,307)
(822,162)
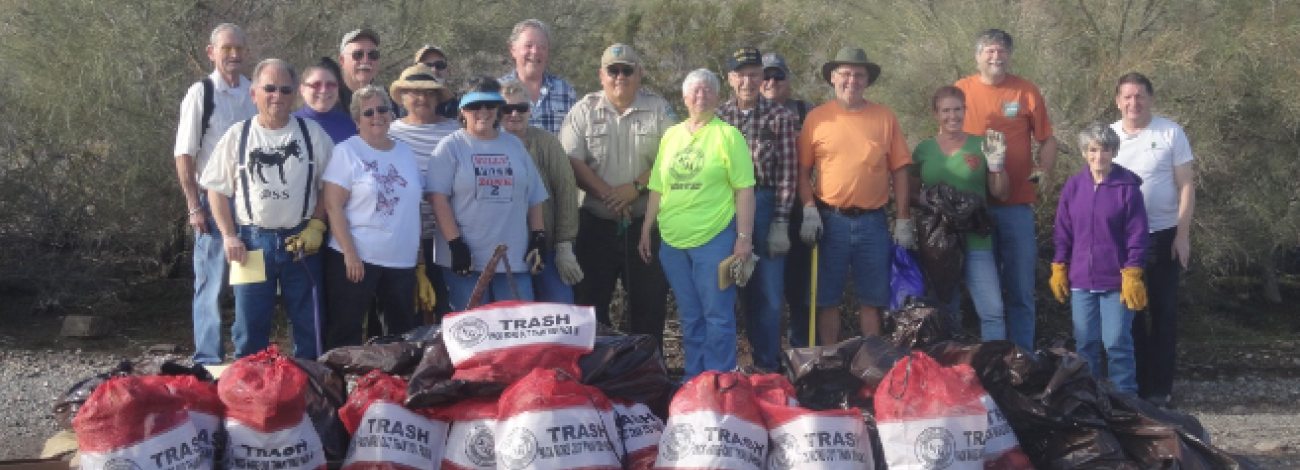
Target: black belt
(844,211)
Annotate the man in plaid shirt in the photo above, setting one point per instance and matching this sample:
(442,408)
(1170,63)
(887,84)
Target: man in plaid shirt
(769,130)
(552,97)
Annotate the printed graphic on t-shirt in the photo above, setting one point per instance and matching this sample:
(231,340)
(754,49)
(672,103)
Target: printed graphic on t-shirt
(687,163)
(1010,108)
(972,160)
(494,177)
(261,159)
(387,182)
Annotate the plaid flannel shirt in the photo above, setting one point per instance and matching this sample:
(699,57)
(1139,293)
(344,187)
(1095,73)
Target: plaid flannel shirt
(557,97)
(769,130)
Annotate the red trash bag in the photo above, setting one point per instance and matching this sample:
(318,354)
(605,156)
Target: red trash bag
(471,439)
(385,434)
(503,341)
(266,414)
(550,421)
(640,429)
(205,409)
(713,424)
(933,417)
(131,423)
(806,439)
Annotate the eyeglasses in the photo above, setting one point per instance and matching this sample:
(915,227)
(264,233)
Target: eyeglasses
(521,108)
(284,89)
(437,64)
(228,49)
(479,105)
(378,109)
(777,75)
(322,83)
(614,70)
(373,54)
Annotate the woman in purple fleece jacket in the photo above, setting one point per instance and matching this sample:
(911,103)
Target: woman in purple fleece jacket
(1101,243)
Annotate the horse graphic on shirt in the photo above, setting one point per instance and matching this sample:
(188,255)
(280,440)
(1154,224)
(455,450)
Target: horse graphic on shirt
(274,156)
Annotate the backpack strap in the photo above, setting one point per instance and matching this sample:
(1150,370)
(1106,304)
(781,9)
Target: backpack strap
(311,166)
(243,170)
(209,104)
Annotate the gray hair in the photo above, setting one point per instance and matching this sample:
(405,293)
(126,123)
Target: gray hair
(513,87)
(1100,134)
(700,77)
(534,23)
(234,28)
(282,65)
(991,37)
(365,93)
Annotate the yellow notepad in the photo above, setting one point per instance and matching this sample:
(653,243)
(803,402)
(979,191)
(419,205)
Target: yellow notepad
(251,271)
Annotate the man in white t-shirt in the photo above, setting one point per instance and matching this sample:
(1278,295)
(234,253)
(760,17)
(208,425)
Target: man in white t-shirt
(203,120)
(270,166)
(1157,150)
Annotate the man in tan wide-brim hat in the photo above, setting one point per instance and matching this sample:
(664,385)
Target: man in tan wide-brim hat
(418,77)
(860,152)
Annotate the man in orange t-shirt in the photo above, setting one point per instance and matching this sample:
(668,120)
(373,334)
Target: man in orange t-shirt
(859,150)
(998,100)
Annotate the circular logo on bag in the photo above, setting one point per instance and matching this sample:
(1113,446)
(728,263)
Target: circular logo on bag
(676,441)
(469,332)
(935,447)
(480,446)
(784,451)
(121,464)
(518,448)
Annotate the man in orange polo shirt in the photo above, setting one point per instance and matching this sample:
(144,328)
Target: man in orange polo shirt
(998,100)
(859,151)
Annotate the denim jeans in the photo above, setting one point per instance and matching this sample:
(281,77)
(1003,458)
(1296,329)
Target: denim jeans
(209,275)
(798,280)
(1016,249)
(1100,319)
(548,286)
(1157,344)
(861,243)
(460,288)
(390,290)
(297,282)
(763,292)
(608,256)
(986,293)
(708,314)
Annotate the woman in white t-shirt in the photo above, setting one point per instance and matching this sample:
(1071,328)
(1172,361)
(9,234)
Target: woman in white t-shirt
(372,195)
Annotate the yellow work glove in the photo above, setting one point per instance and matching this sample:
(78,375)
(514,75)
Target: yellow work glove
(308,240)
(1060,281)
(1132,291)
(425,297)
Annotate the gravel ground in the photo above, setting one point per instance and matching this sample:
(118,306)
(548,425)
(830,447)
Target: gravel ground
(1247,415)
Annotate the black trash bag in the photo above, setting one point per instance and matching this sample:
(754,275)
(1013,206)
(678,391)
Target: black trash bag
(397,358)
(1158,438)
(877,447)
(920,324)
(951,353)
(841,376)
(630,368)
(66,405)
(326,393)
(431,383)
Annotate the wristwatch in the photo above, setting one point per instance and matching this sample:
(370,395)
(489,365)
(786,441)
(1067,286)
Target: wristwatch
(640,188)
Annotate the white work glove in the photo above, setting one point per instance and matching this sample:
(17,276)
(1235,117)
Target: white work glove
(778,239)
(905,233)
(995,150)
(567,263)
(811,230)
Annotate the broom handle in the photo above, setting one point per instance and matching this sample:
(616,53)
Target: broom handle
(812,303)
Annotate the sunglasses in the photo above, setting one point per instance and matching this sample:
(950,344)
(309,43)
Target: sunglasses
(373,54)
(322,83)
(521,108)
(479,105)
(378,109)
(284,89)
(615,70)
(437,64)
(778,76)
(229,49)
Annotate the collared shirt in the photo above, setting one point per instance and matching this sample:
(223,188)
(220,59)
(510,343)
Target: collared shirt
(617,147)
(230,105)
(553,103)
(769,131)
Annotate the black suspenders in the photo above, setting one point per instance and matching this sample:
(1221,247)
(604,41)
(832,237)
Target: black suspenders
(243,169)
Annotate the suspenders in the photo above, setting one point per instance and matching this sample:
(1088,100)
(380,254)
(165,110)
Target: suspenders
(243,167)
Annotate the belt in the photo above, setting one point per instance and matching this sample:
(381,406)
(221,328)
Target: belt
(844,211)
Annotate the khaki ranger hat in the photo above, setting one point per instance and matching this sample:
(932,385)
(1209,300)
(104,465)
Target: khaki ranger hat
(619,54)
(851,56)
(418,77)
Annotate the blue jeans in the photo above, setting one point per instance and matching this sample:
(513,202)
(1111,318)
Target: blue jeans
(1016,249)
(298,283)
(708,315)
(986,293)
(460,288)
(763,293)
(209,275)
(861,243)
(1100,319)
(547,284)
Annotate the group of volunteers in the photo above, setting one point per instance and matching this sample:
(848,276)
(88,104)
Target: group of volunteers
(405,193)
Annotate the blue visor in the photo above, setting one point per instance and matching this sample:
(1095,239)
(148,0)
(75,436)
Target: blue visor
(481,96)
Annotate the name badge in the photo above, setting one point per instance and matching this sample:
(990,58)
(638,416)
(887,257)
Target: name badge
(1010,108)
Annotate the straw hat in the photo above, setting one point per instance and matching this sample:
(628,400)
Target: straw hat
(418,77)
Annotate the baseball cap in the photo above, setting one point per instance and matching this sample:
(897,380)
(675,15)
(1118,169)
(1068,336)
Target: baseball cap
(619,54)
(427,49)
(355,34)
(744,56)
(772,60)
